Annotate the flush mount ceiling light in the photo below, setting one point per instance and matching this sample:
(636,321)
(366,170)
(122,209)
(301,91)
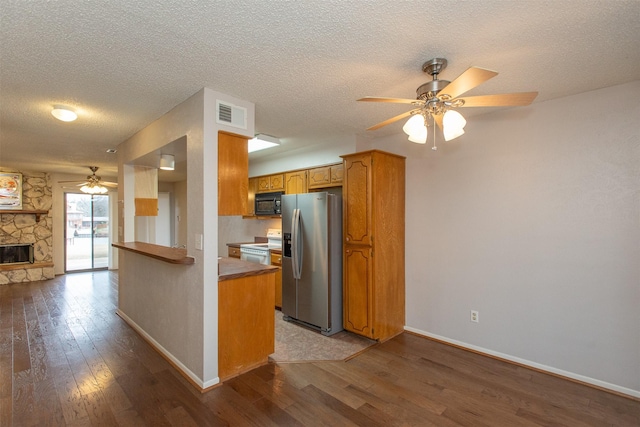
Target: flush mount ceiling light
(64,114)
(261,141)
(437,100)
(167,162)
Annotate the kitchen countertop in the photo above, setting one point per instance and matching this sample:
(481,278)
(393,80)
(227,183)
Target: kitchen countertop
(237,245)
(233,268)
(163,253)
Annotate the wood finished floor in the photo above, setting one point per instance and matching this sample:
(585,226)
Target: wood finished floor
(67,359)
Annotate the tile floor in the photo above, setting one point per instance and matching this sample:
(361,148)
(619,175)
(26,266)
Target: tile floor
(295,343)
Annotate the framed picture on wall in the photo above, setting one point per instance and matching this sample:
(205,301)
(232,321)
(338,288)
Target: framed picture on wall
(10,190)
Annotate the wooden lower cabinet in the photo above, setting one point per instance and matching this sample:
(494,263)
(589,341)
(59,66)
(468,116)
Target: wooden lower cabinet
(357,302)
(276,259)
(246,324)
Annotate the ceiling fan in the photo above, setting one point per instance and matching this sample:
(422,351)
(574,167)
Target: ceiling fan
(93,184)
(439,99)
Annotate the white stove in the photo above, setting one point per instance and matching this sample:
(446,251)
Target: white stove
(260,252)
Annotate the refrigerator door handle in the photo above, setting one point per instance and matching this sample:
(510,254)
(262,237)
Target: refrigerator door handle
(295,244)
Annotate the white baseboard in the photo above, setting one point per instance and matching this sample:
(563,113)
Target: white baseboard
(538,366)
(165,353)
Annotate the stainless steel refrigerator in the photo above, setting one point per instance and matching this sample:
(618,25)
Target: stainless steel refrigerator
(312,260)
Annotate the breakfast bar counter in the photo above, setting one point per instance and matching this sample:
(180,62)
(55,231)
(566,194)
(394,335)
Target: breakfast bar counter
(162,253)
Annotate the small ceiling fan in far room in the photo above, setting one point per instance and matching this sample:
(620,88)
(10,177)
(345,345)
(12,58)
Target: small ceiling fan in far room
(93,184)
(438,100)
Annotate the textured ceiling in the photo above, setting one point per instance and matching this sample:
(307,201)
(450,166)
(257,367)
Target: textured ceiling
(123,64)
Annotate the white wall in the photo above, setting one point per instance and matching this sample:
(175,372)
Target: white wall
(533,219)
(181,214)
(302,158)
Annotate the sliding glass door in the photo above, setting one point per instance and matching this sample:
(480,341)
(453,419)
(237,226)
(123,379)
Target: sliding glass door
(86,232)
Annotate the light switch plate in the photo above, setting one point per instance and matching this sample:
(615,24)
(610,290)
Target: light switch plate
(199,242)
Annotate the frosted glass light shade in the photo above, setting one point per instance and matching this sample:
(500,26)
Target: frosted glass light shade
(261,142)
(419,136)
(450,134)
(453,125)
(63,114)
(413,125)
(167,162)
(93,189)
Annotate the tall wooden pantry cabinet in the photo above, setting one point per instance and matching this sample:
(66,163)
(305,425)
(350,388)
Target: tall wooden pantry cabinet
(373,228)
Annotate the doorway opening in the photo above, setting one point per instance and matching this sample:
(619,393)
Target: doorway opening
(86,232)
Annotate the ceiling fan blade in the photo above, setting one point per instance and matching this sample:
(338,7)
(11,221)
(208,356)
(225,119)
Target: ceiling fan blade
(393,119)
(467,81)
(73,182)
(507,99)
(109,184)
(394,100)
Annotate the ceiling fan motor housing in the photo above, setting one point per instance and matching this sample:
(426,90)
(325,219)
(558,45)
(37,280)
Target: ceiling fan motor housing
(430,89)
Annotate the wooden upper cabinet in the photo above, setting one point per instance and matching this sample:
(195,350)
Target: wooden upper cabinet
(319,177)
(326,176)
(356,194)
(233,174)
(269,183)
(337,174)
(251,196)
(295,182)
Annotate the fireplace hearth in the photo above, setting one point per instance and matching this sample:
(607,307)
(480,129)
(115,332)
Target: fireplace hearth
(16,254)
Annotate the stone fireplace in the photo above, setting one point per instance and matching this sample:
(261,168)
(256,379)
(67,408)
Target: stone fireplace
(32,226)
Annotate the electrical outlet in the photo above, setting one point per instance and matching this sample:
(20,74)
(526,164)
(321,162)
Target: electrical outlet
(475,316)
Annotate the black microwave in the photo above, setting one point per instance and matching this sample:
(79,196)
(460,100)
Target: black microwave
(268,203)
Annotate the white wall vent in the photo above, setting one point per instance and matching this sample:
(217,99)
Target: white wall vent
(231,115)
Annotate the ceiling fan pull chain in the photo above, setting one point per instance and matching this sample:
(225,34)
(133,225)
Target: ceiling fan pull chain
(434,148)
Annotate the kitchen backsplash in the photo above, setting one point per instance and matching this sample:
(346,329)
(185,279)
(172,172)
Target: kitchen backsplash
(234,229)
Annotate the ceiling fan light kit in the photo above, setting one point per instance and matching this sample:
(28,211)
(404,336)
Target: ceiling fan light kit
(93,184)
(438,99)
(92,188)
